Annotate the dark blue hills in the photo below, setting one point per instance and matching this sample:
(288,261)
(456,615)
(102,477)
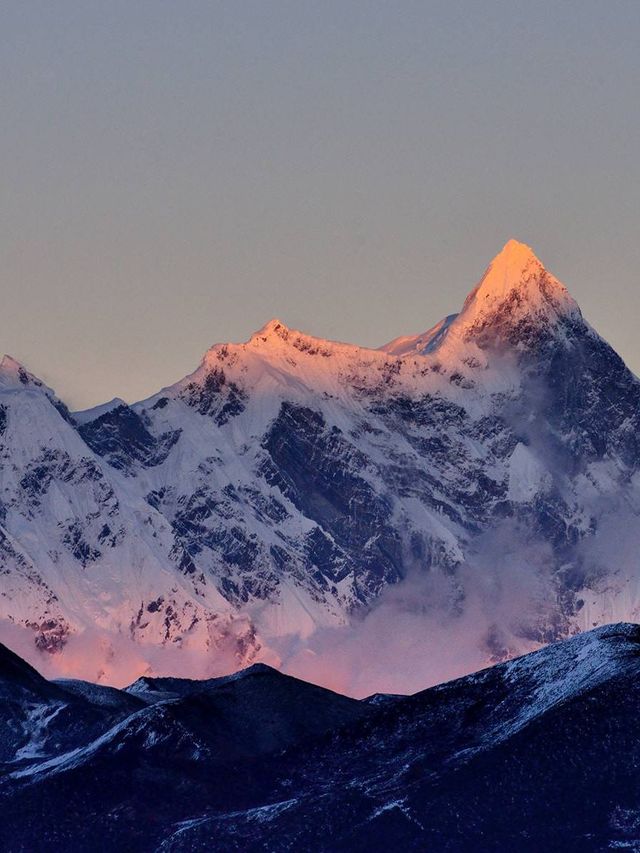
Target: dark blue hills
(538,753)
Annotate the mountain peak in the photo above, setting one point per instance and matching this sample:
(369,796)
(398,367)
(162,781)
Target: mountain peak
(273,329)
(85,416)
(9,364)
(515,295)
(12,373)
(14,376)
(516,286)
(514,265)
(273,325)
(516,250)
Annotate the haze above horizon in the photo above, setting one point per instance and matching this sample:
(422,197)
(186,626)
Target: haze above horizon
(175,175)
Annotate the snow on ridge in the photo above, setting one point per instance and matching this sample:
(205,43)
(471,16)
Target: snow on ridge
(252,508)
(86,415)
(517,275)
(424,343)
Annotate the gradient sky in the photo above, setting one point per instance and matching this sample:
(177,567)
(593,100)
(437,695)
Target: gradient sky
(176,173)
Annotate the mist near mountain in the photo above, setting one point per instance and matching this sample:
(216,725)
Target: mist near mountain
(538,753)
(371,520)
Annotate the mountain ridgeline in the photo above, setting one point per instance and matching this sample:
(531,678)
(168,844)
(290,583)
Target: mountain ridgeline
(292,494)
(538,753)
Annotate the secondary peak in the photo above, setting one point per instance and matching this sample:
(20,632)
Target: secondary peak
(10,365)
(275,331)
(273,327)
(14,373)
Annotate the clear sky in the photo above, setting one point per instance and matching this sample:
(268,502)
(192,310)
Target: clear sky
(176,173)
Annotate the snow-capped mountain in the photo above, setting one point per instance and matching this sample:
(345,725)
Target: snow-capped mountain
(448,500)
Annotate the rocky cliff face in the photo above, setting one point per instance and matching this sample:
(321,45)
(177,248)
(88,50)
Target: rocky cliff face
(483,475)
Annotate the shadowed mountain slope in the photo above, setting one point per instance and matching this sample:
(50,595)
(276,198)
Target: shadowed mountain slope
(538,753)
(296,501)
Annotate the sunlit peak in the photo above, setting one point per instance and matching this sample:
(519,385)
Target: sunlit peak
(274,326)
(509,267)
(517,278)
(514,249)
(275,332)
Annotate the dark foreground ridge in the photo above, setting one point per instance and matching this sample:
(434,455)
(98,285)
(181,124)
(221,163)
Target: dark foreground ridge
(540,753)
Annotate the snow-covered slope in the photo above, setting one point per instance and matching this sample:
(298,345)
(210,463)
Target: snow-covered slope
(449,500)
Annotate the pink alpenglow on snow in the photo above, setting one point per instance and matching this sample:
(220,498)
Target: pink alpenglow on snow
(448,500)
